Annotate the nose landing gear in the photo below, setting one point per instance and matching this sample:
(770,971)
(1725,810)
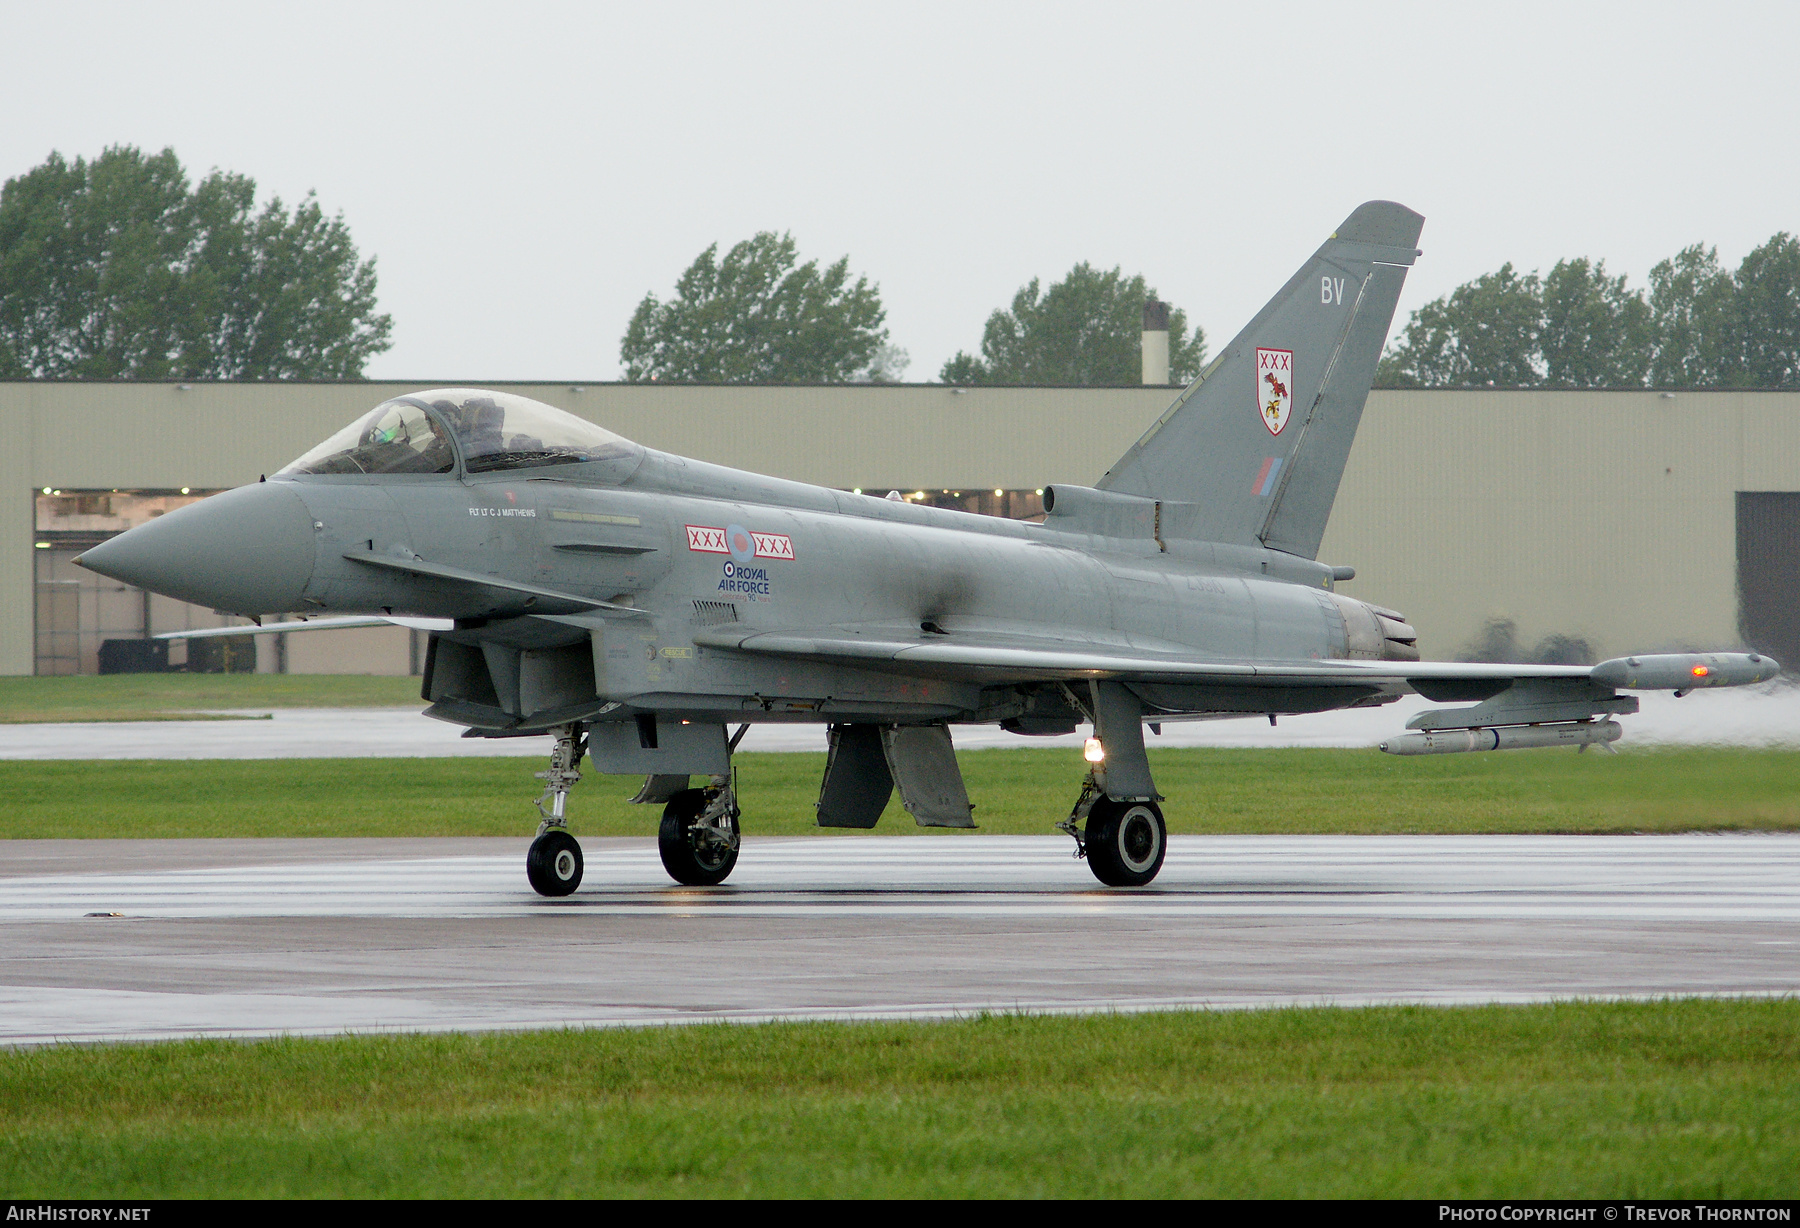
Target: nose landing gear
(553,863)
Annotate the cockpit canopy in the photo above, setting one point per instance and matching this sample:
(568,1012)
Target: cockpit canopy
(492,431)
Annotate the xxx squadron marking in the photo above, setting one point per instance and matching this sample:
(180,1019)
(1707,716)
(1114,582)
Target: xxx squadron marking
(707,540)
(739,542)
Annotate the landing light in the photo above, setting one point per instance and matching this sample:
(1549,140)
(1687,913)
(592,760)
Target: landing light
(184,490)
(41,545)
(1093,752)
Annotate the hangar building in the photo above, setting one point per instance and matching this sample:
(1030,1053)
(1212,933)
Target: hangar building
(1523,524)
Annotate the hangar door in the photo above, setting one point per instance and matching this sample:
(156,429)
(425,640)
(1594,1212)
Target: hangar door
(1768,573)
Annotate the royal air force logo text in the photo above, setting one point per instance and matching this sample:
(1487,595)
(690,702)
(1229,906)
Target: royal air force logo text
(1274,387)
(741,577)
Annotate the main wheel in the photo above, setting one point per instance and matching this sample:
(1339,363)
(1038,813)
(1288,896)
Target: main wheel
(689,858)
(1125,842)
(553,864)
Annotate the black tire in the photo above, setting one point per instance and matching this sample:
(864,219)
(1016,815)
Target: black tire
(553,863)
(685,863)
(1125,842)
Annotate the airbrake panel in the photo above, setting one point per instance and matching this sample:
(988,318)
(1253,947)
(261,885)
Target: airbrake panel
(857,783)
(923,764)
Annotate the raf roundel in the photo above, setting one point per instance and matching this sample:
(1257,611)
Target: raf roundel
(739,542)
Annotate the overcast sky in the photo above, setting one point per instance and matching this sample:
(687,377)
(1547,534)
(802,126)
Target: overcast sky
(525,173)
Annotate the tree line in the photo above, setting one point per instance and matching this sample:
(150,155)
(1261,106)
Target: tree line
(760,315)
(1698,325)
(118,269)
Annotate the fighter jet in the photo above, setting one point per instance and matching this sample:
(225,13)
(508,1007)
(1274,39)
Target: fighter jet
(638,607)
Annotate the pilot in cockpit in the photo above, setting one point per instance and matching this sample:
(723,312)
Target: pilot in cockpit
(477,422)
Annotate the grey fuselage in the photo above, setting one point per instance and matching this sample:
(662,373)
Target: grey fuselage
(645,532)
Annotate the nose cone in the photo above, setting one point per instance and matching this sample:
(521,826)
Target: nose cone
(249,551)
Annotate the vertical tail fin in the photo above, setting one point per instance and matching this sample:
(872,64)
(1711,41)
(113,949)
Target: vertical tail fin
(1256,446)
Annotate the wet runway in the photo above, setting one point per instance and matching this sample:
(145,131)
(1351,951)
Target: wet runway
(255,937)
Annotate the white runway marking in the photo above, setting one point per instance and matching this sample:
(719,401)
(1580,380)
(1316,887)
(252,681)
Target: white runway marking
(1667,877)
(322,937)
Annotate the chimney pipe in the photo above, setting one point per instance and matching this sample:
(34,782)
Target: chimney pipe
(1156,342)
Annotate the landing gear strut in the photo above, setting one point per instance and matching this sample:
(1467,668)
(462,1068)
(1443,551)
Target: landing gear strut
(698,839)
(553,863)
(1123,841)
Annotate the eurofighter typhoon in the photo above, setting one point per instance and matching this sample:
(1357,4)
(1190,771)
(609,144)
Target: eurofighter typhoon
(643,610)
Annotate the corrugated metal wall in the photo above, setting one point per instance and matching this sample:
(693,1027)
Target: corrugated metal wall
(1607,516)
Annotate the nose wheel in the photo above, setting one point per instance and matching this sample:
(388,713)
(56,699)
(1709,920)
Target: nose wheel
(553,863)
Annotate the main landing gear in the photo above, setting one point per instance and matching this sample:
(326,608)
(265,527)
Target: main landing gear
(1123,841)
(699,835)
(1116,822)
(553,863)
(698,839)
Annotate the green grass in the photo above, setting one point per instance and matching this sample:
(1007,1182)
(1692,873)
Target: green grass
(1023,791)
(1690,1099)
(137,697)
